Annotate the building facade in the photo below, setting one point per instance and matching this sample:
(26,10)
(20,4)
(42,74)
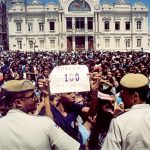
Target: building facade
(3,26)
(77,25)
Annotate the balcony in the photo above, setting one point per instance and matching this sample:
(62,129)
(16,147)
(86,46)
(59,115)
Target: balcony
(69,30)
(80,30)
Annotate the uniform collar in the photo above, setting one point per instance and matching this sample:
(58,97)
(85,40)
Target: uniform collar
(140,106)
(14,111)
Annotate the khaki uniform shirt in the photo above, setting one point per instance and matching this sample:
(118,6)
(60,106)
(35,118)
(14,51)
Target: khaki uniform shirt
(130,131)
(20,131)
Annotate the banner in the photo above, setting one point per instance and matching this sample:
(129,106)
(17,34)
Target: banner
(69,78)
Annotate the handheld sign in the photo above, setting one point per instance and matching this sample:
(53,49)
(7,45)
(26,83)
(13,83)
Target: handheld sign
(69,78)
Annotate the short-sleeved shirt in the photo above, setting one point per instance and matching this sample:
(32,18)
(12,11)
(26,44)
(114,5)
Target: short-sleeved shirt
(68,123)
(19,130)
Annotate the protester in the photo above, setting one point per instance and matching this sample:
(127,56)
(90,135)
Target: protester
(131,129)
(110,68)
(66,111)
(18,130)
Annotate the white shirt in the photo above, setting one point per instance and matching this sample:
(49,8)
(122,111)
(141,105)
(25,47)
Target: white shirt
(130,131)
(20,131)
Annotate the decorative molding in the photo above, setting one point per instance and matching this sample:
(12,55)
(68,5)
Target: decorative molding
(122,2)
(106,18)
(51,19)
(18,19)
(52,38)
(139,18)
(117,18)
(107,36)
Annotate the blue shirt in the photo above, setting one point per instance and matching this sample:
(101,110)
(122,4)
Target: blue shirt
(68,123)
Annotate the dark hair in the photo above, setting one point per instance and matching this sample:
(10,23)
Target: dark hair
(143,93)
(10,97)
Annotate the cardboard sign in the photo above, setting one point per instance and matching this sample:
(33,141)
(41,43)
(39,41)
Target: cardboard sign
(69,78)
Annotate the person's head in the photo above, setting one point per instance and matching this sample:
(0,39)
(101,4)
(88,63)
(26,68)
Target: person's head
(20,95)
(29,77)
(109,74)
(46,72)
(67,97)
(20,75)
(5,76)
(134,89)
(142,68)
(106,106)
(27,68)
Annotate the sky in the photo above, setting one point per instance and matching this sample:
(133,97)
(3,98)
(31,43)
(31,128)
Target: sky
(146,2)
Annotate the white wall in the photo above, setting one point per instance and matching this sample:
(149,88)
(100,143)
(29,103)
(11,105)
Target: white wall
(51,12)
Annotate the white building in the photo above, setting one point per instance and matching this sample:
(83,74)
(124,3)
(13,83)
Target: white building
(3,26)
(77,25)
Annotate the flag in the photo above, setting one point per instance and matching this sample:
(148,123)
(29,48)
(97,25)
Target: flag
(105,96)
(77,5)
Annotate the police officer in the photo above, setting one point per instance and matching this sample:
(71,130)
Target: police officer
(131,130)
(19,130)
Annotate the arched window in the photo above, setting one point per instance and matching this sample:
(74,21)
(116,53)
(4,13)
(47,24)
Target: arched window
(79,5)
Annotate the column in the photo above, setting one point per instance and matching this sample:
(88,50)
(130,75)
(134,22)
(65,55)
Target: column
(95,22)
(63,23)
(73,40)
(59,22)
(73,24)
(98,22)
(86,24)
(86,43)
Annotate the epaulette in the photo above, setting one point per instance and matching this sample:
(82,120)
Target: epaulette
(120,113)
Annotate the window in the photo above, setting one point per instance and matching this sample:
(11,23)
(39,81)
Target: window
(128,25)
(80,23)
(139,42)
(19,44)
(117,25)
(52,43)
(139,25)
(117,42)
(41,26)
(41,43)
(106,25)
(31,44)
(30,27)
(90,23)
(18,26)
(107,43)
(51,26)
(128,42)
(69,23)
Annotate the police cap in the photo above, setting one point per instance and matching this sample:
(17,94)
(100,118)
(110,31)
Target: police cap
(133,81)
(18,86)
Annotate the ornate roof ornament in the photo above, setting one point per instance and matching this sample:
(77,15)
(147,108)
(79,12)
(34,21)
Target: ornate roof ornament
(121,2)
(36,2)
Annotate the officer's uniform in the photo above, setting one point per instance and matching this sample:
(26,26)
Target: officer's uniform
(20,131)
(131,130)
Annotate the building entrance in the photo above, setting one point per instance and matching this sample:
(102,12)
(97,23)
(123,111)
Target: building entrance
(69,44)
(90,42)
(80,43)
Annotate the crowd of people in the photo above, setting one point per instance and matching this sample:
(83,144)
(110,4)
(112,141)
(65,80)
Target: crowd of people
(93,120)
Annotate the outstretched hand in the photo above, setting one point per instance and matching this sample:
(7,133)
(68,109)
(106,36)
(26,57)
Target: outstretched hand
(94,81)
(43,85)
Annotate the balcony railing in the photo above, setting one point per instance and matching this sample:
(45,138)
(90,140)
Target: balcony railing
(80,30)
